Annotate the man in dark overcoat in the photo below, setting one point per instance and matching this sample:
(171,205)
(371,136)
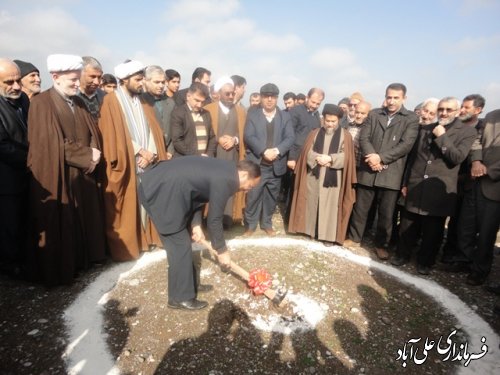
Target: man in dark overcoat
(430,184)
(14,104)
(385,141)
(480,215)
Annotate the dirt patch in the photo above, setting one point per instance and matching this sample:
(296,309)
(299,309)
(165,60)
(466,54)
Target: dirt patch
(368,317)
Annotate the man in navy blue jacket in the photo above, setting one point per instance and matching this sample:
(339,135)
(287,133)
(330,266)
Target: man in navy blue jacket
(174,194)
(268,137)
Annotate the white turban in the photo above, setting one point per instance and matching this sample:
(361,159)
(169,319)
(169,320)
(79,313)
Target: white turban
(128,69)
(64,63)
(222,81)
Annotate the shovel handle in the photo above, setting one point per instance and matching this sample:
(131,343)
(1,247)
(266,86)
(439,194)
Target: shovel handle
(240,271)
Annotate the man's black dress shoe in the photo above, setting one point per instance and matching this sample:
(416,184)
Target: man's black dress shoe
(191,304)
(423,270)
(399,261)
(456,267)
(204,288)
(493,288)
(475,279)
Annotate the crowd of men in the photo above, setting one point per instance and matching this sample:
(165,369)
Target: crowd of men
(72,160)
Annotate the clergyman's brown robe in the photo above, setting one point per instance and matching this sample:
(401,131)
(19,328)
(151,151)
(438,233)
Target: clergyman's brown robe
(65,203)
(239,198)
(124,231)
(300,215)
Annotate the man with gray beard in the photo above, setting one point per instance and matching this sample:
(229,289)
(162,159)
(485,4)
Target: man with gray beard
(14,106)
(30,78)
(430,182)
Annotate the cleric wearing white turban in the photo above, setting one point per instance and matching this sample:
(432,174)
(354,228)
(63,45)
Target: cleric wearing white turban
(224,80)
(128,68)
(64,63)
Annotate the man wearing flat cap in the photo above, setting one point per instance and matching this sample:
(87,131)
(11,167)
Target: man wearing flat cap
(133,141)
(65,192)
(268,137)
(228,121)
(30,78)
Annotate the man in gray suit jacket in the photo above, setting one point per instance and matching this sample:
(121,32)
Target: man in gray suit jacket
(385,141)
(154,95)
(268,137)
(174,193)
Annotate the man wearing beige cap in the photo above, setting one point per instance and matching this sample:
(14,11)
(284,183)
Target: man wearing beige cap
(64,158)
(133,141)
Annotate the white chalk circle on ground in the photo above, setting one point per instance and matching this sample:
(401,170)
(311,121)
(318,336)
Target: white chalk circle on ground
(87,352)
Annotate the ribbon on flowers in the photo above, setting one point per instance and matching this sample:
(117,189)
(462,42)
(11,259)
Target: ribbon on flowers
(259,280)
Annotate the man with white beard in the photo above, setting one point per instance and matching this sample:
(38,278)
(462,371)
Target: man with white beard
(430,184)
(428,111)
(64,158)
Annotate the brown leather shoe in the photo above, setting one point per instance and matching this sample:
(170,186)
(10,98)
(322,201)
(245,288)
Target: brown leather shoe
(350,243)
(270,232)
(382,253)
(249,232)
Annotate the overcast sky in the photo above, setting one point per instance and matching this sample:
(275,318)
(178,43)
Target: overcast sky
(437,48)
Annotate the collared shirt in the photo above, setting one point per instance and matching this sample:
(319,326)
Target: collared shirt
(390,117)
(195,115)
(270,116)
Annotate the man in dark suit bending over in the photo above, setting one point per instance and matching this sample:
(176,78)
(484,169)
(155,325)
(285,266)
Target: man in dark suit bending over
(174,194)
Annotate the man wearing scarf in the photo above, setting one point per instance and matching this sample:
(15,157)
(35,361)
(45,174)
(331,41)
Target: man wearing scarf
(65,192)
(324,181)
(133,141)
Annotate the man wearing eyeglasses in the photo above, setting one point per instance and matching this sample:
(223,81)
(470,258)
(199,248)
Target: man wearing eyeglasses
(228,121)
(430,184)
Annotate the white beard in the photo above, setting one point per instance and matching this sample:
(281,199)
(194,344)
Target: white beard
(446,121)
